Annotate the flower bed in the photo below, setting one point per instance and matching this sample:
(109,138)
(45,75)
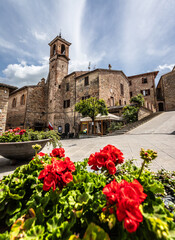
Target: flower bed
(54,198)
(23,135)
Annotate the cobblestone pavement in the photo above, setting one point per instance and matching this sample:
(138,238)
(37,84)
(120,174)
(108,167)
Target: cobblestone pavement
(152,135)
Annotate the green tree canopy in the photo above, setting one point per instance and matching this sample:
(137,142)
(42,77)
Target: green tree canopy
(138,99)
(91,107)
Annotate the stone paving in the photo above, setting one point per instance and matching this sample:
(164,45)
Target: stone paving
(155,134)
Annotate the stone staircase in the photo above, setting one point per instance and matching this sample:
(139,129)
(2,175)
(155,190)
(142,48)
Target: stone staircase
(131,126)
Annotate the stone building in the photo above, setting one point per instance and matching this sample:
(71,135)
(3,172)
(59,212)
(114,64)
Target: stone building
(27,107)
(54,100)
(5,90)
(166,92)
(144,84)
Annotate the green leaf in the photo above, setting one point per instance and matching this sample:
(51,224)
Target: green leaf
(83,198)
(94,232)
(35,233)
(18,195)
(53,223)
(13,207)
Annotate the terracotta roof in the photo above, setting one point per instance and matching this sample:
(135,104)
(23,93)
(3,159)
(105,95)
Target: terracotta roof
(61,39)
(8,86)
(143,74)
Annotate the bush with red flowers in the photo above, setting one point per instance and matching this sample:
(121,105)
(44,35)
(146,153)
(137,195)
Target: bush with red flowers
(58,152)
(107,159)
(126,198)
(23,135)
(57,174)
(54,198)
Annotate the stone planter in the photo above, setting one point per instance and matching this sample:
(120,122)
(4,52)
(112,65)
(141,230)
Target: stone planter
(20,150)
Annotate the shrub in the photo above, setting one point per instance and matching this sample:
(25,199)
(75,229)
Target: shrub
(40,201)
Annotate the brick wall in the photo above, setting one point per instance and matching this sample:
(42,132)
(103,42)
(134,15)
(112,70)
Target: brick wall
(4,96)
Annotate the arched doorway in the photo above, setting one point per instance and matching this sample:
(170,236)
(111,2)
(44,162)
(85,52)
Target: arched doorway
(161,107)
(67,128)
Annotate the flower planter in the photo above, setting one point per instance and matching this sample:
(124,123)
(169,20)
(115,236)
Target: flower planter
(20,150)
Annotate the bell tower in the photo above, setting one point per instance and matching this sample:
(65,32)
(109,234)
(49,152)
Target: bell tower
(58,69)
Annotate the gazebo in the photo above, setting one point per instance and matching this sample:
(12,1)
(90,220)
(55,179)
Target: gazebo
(102,122)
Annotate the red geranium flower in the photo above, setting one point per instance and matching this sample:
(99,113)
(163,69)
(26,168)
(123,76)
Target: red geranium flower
(127,198)
(58,173)
(22,132)
(41,154)
(107,158)
(58,152)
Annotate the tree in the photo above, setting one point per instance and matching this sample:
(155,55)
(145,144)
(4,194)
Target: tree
(130,112)
(138,99)
(91,107)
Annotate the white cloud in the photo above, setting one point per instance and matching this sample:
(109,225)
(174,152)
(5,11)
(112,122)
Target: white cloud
(6,44)
(165,67)
(40,35)
(22,74)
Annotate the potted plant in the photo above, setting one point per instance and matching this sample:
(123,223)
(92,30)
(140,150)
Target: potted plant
(16,144)
(54,198)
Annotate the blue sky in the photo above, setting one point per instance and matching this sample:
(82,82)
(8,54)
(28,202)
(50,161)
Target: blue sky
(132,35)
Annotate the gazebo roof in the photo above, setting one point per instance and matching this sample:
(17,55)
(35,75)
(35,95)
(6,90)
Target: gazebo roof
(100,117)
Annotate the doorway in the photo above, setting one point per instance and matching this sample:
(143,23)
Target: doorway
(161,107)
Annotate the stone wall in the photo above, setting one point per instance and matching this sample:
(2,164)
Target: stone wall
(110,88)
(143,112)
(4,96)
(169,91)
(138,86)
(36,107)
(17,112)
(32,111)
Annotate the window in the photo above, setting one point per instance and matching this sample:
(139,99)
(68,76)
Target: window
(14,103)
(22,100)
(86,81)
(145,92)
(130,83)
(124,102)
(112,101)
(59,86)
(121,89)
(85,97)
(120,102)
(144,80)
(54,49)
(67,87)
(130,94)
(63,49)
(67,103)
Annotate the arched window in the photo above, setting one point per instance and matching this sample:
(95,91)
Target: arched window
(23,100)
(14,103)
(63,49)
(54,49)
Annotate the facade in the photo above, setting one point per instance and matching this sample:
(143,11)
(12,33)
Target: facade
(5,90)
(27,107)
(53,101)
(144,84)
(166,92)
